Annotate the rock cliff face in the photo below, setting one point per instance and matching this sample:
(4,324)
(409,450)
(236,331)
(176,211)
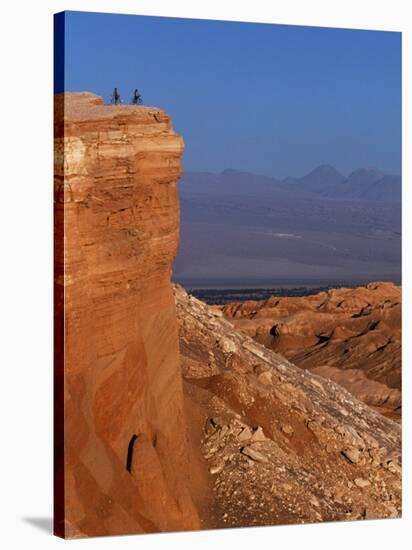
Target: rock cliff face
(124,468)
(283,445)
(166,416)
(350,335)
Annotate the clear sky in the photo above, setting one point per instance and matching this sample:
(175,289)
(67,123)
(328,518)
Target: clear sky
(269,99)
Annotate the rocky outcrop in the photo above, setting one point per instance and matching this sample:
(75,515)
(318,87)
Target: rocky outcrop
(169,422)
(283,445)
(123,465)
(350,335)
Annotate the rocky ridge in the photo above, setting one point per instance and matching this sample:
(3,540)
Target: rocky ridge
(283,445)
(350,335)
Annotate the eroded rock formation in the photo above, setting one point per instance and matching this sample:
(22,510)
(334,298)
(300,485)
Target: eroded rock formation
(283,445)
(168,418)
(116,233)
(350,335)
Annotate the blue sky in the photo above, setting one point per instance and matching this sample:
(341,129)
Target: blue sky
(269,99)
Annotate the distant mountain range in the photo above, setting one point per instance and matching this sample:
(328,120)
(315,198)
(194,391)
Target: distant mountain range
(364,184)
(241,228)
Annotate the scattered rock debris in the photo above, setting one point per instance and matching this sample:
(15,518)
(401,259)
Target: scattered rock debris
(283,445)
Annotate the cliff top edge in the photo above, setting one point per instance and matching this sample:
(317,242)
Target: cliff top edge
(88,106)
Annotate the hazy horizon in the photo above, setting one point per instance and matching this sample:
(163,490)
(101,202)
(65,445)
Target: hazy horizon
(294,175)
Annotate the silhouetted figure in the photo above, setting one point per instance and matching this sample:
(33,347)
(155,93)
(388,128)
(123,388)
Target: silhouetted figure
(116,97)
(137,98)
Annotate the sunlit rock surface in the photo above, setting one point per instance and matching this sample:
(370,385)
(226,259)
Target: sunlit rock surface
(116,233)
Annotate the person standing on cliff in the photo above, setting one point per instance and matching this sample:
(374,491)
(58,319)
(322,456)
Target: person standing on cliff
(137,98)
(116,97)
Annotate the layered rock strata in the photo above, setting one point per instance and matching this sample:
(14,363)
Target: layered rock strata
(120,426)
(283,445)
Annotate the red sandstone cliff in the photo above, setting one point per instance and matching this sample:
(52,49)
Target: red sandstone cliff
(116,233)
